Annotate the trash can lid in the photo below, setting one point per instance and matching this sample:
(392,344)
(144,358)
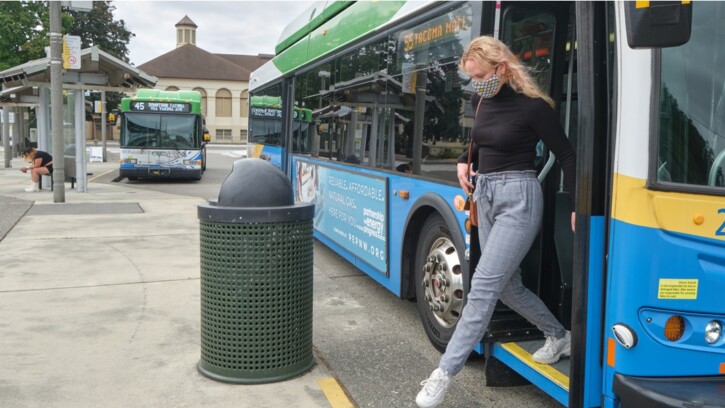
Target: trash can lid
(255,183)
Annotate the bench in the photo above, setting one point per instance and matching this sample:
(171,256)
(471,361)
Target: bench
(70,172)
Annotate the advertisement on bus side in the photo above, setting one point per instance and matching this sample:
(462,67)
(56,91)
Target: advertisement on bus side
(350,209)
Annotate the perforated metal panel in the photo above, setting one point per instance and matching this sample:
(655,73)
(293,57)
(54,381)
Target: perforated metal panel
(256,300)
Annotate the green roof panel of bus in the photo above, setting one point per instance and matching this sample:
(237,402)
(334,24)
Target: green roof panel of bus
(193,97)
(316,18)
(264,101)
(173,95)
(349,24)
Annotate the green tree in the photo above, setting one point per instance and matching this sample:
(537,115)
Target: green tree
(23,29)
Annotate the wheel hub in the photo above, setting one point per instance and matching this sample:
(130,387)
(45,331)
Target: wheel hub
(443,282)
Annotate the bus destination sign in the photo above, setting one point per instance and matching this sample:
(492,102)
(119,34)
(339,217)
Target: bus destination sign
(455,23)
(175,107)
(267,112)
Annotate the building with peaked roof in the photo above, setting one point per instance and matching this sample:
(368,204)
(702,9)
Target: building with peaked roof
(222,80)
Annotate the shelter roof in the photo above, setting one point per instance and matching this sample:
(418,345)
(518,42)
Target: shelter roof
(99,71)
(19,95)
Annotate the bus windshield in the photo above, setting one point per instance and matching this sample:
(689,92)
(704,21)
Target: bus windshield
(692,104)
(265,130)
(159,131)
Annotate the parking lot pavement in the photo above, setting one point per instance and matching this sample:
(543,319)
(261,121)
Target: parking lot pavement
(100,304)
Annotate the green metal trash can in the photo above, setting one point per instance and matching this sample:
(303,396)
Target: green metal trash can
(256,278)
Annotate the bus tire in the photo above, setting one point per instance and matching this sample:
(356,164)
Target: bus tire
(439,281)
(203,160)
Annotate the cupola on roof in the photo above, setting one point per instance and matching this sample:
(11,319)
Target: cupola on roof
(186,21)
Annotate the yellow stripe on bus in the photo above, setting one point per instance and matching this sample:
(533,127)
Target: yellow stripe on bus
(645,4)
(556,376)
(256,151)
(693,214)
(334,393)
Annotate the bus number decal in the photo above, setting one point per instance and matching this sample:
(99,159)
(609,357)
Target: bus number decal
(721,231)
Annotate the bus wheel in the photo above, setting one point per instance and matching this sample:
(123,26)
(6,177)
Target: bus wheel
(439,281)
(203,160)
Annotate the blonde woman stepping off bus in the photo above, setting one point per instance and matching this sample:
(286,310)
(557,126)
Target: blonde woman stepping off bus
(513,115)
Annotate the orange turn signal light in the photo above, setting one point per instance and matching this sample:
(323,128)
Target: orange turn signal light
(674,328)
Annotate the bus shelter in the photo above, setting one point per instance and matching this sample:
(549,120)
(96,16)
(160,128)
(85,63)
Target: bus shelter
(28,86)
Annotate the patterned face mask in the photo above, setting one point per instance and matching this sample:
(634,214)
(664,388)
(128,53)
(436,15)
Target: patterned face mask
(486,88)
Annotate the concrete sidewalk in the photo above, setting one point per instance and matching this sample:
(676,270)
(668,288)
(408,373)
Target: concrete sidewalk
(100,299)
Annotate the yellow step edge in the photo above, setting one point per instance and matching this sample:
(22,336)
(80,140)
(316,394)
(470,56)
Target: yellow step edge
(556,376)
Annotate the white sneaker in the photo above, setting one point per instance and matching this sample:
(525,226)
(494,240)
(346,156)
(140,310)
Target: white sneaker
(554,349)
(33,188)
(434,388)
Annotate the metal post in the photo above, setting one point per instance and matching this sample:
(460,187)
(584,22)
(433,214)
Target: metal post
(103,124)
(80,116)
(12,129)
(56,101)
(41,113)
(373,149)
(25,135)
(315,137)
(18,132)
(420,88)
(6,137)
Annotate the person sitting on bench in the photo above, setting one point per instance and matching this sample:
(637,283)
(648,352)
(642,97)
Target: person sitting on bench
(40,164)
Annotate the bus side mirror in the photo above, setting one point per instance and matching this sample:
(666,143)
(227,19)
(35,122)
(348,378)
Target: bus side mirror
(654,24)
(206,136)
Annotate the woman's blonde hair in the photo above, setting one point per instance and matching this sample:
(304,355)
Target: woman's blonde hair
(488,51)
(28,152)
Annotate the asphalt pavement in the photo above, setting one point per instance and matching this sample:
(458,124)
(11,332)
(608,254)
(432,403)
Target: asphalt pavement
(100,304)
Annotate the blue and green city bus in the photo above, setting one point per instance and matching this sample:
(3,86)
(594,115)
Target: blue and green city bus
(265,128)
(641,94)
(162,135)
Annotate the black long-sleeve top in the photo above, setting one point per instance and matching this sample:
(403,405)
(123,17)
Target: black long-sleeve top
(506,130)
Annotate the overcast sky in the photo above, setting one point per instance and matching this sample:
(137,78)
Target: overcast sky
(223,27)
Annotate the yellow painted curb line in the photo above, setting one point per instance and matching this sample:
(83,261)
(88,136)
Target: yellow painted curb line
(101,175)
(334,393)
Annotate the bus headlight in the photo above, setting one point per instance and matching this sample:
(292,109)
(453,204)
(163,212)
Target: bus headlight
(624,335)
(713,332)
(130,161)
(187,162)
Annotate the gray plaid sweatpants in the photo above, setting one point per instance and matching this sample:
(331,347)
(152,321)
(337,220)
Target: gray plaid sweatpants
(510,210)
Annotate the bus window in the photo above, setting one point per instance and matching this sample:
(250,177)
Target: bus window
(530,35)
(311,93)
(265,116)
(692,104)
(140,130)
(177,132)
(431,105)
